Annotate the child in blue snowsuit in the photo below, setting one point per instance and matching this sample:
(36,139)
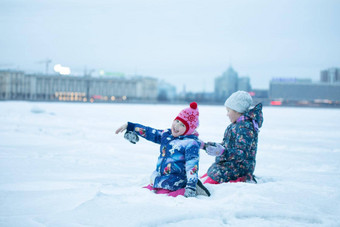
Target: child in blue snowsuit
(177,164)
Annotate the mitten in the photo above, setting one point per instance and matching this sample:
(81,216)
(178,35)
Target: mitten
(190,192)
(214,149)
(131,136)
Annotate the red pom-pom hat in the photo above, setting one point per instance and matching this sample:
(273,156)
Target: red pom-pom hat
(189,117)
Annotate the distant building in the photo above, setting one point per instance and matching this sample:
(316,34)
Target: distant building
(166,91)
(331,75)
(229,82)
(200,97)
(303,92)
(16,85)
(226,84)
(244,84)
(259,93)
(146,88)
(259,96)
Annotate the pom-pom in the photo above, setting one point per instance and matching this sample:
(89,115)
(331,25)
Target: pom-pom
(193,105)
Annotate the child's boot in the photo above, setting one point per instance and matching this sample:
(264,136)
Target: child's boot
(201,189)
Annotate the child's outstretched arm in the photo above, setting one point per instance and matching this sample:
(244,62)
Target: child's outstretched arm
(147,133)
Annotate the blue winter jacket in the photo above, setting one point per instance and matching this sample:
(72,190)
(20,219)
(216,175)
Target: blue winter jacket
(177,164)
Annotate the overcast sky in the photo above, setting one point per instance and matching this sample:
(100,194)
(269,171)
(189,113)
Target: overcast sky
(184,42)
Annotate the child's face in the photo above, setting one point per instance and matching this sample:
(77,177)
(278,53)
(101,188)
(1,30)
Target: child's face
(233,115)
(177,128)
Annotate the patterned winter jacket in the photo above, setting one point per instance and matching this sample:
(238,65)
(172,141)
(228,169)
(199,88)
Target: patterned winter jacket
(177,164)
(240,142)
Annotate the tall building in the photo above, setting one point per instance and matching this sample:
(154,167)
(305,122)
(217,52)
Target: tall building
(331,75)
(244,84)
(226,84)
(229,82)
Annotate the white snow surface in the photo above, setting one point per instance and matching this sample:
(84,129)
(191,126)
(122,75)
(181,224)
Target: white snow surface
(62,165)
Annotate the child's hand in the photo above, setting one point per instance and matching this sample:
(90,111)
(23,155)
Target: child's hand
(131,136)
(121,128)
(214,149)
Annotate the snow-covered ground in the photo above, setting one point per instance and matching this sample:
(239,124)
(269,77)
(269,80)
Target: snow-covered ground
(62,165)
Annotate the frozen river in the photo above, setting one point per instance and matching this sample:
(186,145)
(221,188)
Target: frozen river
(62,165)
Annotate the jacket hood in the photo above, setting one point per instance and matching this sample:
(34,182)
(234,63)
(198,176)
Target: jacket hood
(256,114)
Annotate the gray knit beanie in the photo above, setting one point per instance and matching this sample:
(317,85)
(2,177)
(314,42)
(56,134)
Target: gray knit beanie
(239,101)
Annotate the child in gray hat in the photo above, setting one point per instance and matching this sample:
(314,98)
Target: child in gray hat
(236,155)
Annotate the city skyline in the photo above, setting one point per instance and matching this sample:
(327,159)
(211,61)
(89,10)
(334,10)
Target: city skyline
(184,43)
